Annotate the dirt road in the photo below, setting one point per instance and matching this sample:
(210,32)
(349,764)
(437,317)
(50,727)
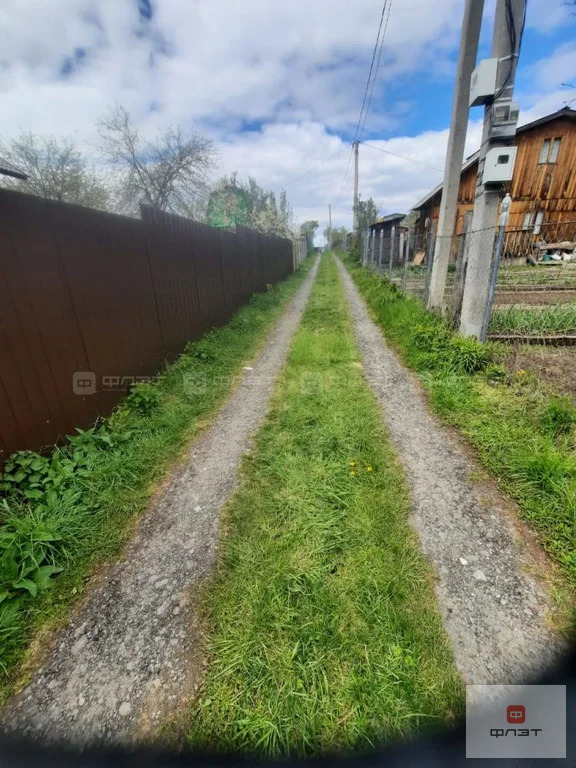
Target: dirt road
(495,612)
(130,654)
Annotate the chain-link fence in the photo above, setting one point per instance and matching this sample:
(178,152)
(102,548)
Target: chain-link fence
(533,314)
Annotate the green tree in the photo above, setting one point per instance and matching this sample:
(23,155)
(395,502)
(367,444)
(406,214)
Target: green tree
(339,235)
(366,213)
(309,228)
(234,202)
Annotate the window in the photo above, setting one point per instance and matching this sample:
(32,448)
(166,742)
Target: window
(538,222)
(528,220)
(549,151)
(555,149)
(544,152)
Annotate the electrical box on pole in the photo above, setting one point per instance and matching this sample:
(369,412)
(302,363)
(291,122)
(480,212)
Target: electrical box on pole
(499,165)
(504,119)
(483,82)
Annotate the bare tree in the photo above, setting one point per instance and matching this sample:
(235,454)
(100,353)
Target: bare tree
(169,172)
(55,169)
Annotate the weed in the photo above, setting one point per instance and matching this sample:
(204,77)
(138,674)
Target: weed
(522,431)
(325,635)
(144,398)
(62,513)
(559,416)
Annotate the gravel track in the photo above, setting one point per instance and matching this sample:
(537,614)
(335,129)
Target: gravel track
(496,613)
(130,654)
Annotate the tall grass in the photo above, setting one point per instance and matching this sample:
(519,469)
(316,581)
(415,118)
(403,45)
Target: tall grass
(560,318)
(61,514)
(523,431)
(324,633)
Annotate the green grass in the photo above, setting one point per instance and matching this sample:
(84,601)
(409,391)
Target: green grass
(542,275)
(324,634)
(524,432)
(557,319)
(62,514)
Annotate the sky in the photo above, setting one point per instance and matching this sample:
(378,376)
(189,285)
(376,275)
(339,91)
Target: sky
(277,86)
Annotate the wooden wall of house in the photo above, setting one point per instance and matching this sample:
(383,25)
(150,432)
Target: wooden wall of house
(550,187)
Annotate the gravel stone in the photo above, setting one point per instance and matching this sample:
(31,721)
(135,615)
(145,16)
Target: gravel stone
(493,642)
(172,553)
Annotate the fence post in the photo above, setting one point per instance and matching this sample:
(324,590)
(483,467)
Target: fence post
(499,247)
(429,260)
(406,260)
(392,249)
(401,248)
(381,250)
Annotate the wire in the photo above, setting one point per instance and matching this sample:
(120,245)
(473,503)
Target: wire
(345,176)
(315,168)
(376,70)
(515,43)
(402,157)
(368,81)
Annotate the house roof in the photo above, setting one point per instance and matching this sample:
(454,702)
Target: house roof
(388,219)
(473,159)
(564,112)
(7,169)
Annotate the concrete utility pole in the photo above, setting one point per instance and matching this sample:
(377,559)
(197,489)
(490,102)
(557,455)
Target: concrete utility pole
(481,248)
(355,210)
(329,226)
(471,26)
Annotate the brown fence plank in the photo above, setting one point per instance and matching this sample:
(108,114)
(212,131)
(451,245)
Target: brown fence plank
(82,291)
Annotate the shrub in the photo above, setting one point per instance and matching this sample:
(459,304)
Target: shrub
(144,398)
(468,355)
(559,416)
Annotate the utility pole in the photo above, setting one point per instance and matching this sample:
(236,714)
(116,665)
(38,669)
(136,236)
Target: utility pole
(471,26)
(355,209)
(508,24)
(329,226)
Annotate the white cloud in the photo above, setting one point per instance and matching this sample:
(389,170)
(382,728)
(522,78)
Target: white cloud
(296,71)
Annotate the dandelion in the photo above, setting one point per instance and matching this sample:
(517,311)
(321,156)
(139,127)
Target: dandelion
(352,473)
(352,463)
(368,469)
(521,372)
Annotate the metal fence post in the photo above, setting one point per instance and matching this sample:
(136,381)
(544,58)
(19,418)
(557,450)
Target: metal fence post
(429,260)
(392,249)
(401,248)
(499,247)
(406,260)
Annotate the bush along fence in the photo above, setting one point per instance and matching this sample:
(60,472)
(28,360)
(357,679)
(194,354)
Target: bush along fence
(91,303)
(524,429)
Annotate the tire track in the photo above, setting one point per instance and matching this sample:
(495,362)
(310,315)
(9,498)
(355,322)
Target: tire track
(494,611)
(130,654)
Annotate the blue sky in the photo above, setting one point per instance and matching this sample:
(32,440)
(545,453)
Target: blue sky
(277,86)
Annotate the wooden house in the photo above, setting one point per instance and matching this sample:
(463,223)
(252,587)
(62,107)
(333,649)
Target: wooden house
(388,227)
(543,189)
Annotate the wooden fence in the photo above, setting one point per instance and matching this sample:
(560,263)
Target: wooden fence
(91,301)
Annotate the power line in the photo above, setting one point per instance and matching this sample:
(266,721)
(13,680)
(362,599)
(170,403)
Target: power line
(316,168)
(345,174)
(367,111)
(368,81)
(402,157)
